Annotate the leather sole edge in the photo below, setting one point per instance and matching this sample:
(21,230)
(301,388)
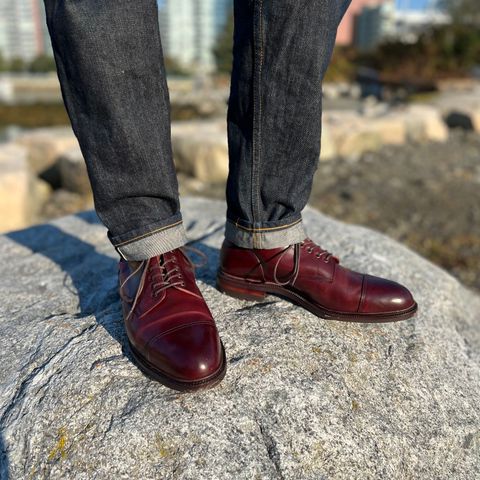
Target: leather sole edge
(151,372)
(239,288)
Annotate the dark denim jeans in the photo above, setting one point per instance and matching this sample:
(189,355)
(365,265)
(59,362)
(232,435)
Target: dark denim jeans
(111,70)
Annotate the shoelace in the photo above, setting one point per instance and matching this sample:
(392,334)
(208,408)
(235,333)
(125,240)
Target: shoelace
(169,278)
(188,248)
(140,286)
(310,247)
(172,277)
(163,277)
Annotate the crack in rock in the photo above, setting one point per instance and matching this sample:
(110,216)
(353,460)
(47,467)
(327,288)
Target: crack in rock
(272,450)
(20,394)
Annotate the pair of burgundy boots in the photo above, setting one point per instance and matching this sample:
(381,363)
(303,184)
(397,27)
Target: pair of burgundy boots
(171,331)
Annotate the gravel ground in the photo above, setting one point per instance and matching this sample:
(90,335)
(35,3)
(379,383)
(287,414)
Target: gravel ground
(424,195)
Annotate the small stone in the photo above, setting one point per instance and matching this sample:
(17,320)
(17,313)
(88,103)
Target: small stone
(466,118)
(425,123)
(328,147)
(73,171)
(15,180)
(200,149)
(39,194)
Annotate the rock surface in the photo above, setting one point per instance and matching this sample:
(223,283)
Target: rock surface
(200,149)
(303,398)
(460,108)
(45,145)
(15,181)
(73,171)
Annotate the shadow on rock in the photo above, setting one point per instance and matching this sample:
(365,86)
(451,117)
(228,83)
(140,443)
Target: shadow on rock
(3,460)
(207,270)
(92,275)
(89,274)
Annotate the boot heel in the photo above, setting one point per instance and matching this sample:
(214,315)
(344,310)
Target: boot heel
(236,291)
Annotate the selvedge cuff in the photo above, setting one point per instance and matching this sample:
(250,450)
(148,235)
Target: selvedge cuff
(151,244)
(267,237)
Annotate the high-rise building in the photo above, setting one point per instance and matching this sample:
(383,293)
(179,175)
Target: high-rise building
(396,21)
(176,18)
(346,29)
(189,29)
(23,32)
(223,9)
(46,42)
(374,24)
(370,22)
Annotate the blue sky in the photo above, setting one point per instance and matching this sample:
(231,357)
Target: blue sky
(412,4)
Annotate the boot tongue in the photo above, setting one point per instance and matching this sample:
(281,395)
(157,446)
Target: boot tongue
(168,260)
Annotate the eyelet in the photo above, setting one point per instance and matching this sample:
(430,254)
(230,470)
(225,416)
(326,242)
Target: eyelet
(182,284)
(309,250)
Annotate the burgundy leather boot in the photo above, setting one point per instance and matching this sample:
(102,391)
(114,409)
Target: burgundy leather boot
(311,277)
(172,334)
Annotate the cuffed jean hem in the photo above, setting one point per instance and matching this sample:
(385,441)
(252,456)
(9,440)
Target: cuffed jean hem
(265,238)
(158,241)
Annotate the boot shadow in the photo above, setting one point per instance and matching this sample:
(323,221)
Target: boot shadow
(92,274)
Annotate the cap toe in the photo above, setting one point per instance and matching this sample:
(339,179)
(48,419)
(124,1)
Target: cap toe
(385,296)
(188,353)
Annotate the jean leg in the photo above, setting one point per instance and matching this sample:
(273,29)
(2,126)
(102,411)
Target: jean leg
(111,70)
(281,52)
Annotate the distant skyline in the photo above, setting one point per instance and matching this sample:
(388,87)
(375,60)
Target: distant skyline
(415,4)
(189,30)
(23,30)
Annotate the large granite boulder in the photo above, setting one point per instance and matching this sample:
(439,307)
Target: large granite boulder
(46,145)
(303,398)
